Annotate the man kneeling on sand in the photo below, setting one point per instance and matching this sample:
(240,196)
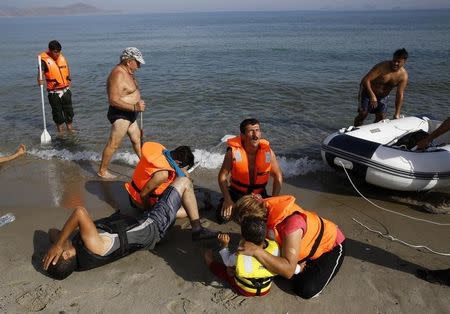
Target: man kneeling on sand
(156,170)
(108,239)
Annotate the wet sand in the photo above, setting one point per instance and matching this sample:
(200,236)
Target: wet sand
(377,276)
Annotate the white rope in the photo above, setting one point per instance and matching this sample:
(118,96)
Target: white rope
(387,236)
(388,210)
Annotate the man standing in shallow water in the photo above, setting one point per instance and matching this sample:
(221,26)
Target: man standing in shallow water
(125,103)
(378,83)
(55,69)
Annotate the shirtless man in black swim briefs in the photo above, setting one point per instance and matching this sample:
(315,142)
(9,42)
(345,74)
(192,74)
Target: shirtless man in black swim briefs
(378,83)
(125,103)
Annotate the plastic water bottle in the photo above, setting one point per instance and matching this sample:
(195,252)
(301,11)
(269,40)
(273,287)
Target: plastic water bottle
(6,219)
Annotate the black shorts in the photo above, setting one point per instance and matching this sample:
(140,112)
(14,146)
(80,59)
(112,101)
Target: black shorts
(114,114)
(62,111)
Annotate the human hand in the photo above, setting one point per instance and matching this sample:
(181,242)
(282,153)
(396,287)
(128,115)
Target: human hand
(52,256)
(21,150)
(227,209)
(140,106)
(223,239)
(423,143)
(248,248)
(373,103)
(40,82)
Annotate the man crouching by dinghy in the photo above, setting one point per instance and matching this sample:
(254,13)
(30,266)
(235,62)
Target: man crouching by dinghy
(315,244)
(106,240)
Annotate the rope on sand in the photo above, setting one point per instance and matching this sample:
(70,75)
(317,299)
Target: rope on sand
(388,236)
(388,210)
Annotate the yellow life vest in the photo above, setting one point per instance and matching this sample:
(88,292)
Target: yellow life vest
(251,276)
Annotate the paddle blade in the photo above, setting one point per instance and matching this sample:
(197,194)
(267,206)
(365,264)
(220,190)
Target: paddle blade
(45,137)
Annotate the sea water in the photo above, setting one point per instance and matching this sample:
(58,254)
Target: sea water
(297,72)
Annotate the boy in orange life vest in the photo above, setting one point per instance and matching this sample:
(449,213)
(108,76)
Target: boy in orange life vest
(57,75)
(247,166)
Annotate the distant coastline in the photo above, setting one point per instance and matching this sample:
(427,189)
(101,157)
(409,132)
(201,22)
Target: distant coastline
(81,8)
(73,9)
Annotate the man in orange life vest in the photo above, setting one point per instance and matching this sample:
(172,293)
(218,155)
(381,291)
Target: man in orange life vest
(247,166)
(156,171)
(57,75)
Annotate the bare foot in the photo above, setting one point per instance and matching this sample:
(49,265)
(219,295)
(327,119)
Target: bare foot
(21,150)
(70,128)
(106,175)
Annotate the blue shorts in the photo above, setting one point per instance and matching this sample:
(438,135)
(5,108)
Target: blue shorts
(365,104)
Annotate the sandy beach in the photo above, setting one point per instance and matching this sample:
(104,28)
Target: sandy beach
(377,276)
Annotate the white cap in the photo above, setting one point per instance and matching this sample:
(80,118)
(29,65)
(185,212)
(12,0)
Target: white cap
(132,53)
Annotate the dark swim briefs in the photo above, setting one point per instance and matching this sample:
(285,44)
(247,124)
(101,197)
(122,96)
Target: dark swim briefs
(365,104)
(114,114)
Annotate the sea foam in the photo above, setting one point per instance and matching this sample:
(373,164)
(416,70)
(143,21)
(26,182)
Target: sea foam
(206,159)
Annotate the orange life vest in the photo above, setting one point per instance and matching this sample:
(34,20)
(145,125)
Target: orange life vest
(152,160)
(240,176)
(58,74)
(320,235)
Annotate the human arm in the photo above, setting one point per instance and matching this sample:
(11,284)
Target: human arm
(366,82)
(41,73)
(19,152)
(224,174)
(78,219)
(155,181)
(399,96)
(425,142)
(285,264)
(117,88)
(276,174)
(228,258)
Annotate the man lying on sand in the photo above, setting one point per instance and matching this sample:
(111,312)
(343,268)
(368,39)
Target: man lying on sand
(108,239)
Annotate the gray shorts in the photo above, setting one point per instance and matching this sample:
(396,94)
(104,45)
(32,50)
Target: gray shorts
(165,210)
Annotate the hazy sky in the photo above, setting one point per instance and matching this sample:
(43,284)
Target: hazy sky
(238,5)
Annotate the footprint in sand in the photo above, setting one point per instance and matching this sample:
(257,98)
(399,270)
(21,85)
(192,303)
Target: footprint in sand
(228,299)
(37,299)
(184,305)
